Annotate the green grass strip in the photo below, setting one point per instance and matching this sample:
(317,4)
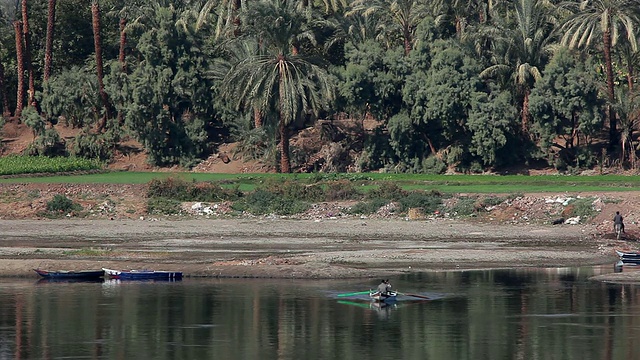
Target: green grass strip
(442,183)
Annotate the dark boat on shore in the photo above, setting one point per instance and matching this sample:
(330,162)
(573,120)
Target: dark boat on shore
(70,274)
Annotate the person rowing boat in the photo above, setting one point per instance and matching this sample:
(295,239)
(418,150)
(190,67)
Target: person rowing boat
(383,292)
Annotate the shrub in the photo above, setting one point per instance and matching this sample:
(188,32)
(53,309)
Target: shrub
(581,207)
(93,146)
(368,207)
(182,190)
(429,202)
(171,188)
(387,190)
(433,165)
(341,190)
(492,201)
(262,202)
(62,204)
(48,144)
(294,189)
(465,206)
(163,206)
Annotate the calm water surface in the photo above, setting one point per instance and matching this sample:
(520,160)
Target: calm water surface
(500,314)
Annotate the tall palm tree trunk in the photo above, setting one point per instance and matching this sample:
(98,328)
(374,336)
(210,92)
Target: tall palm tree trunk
(48,51)
(95,19)
(27,51)
(3,91)
(257,117)
(613,133)
(525,111)
(123,43)
(285,162)
(17,25)
(630,77)
(407,40)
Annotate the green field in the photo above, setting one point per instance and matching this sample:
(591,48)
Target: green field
(442,183)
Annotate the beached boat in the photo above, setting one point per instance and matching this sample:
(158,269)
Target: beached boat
(628,256)
(143,274)
(70,274)
(377,296)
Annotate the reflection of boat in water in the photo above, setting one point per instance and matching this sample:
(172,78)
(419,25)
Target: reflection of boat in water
(70,280)
(380,305)
(626,264)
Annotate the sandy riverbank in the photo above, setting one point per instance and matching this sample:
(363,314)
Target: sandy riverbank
(278,248)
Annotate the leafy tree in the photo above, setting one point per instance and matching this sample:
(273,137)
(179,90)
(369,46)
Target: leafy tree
(371,80)
(32,119)
(604,22)
(73,96)
(565,107)
(493,126)
(438,99)
(169,98)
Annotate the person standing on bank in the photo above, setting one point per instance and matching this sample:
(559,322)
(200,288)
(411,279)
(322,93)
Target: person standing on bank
(618,219)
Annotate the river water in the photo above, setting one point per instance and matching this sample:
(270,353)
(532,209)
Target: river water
(494,314)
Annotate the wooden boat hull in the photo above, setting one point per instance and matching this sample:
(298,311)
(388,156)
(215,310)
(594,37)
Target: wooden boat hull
(70,274)
(376,296)
(143,275)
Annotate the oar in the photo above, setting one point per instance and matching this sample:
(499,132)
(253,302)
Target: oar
(416,295)
(354,293)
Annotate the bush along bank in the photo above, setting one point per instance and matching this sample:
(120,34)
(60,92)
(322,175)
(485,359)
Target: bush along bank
(343,198)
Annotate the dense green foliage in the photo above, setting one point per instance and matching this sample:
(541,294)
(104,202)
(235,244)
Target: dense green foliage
(13,165)
(466,86)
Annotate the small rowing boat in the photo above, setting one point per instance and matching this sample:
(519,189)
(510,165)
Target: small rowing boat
(70,274)
(379,297)
(143,274)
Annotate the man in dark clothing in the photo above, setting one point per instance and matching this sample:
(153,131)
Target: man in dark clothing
(384,287)
(618,220)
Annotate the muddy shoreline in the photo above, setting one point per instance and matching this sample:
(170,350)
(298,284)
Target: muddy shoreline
(284,248)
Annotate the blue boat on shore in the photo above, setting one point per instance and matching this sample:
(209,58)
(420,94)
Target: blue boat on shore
(143,274)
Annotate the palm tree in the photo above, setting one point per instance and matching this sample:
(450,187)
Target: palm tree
(627,107)
(95,17)
(5,99)
(280,76)
(631,59)
(17,26)
(396,18)
(27,51)
(459,12)
(526,48)
(48,52)
(125,11)
(606,20)
(330,6)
